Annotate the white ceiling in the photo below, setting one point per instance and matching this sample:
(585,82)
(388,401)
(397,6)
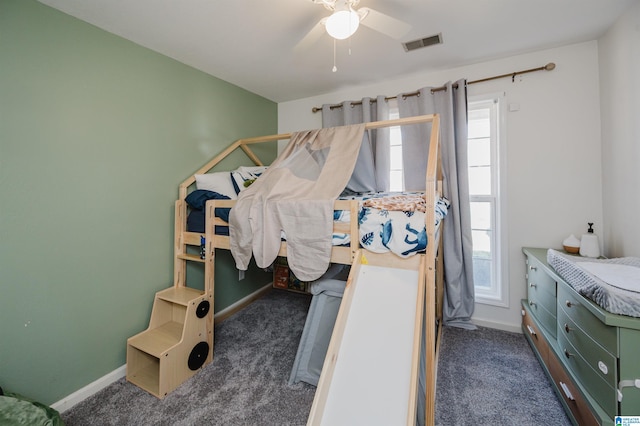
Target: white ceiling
(250,43)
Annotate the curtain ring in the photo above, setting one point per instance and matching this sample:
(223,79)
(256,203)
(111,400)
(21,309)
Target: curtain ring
(513,77)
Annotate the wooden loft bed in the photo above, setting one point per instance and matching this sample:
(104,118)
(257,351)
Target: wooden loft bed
(427,267)
(342,255)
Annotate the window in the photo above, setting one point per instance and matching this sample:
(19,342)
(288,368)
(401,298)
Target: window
(484,196)
(484,158)
(396,177)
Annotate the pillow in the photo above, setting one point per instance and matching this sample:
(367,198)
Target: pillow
(219,182)
(242,175)
(258,170)
(198,198)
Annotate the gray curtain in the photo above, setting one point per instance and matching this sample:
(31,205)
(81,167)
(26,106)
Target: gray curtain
(372,166)
(451,105)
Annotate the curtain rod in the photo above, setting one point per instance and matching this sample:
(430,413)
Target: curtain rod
(550,66)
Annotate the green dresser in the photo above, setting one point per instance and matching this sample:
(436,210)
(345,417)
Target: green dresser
(591,356)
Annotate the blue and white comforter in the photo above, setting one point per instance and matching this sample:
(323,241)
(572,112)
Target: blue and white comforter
(381,231)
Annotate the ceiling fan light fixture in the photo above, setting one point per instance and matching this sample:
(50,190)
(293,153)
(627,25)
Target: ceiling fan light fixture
(342,24)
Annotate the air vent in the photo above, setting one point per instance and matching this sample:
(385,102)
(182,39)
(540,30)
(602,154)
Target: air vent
(422,42)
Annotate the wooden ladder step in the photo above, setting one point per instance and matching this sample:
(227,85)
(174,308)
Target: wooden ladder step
(159,340)
(180,295)
(191,257)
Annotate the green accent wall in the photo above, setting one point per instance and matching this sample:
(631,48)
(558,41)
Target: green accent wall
(96,134)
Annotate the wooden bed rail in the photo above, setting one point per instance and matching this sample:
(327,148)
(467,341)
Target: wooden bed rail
(339,254)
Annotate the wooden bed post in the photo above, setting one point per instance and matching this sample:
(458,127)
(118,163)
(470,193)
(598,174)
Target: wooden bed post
(431,294)
(179,226)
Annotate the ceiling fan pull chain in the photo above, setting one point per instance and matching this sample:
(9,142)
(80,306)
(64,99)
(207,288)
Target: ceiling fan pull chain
(334,69)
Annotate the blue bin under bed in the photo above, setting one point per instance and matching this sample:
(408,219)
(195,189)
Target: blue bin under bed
(327,295)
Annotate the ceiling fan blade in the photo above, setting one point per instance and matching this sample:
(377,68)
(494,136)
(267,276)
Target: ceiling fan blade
(384,24)
(312,37)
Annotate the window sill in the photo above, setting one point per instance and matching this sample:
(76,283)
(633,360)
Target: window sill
(493,301)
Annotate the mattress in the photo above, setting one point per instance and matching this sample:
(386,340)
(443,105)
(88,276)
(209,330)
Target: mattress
(613,284)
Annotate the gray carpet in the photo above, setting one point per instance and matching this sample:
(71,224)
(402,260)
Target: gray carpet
(492,377)
(246,384)
(485,377)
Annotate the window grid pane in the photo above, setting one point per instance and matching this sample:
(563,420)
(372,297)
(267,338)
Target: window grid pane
(480,180)
(396,180)
(481,215)
(396,158)
(482,274)
(479,152)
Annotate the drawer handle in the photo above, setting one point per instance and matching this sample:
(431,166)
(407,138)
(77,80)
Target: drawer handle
(531,330)
(568,303)
(568,354)
(533,268)
(566,391)
(603,367)
(533,285)
(567,328)
(531,303)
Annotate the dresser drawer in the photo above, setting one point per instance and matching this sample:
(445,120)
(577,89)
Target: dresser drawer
(572,304)
(601,361)
(540,295)
(594,385)
(570,394)
(544,317)
(538,279)
(532,332)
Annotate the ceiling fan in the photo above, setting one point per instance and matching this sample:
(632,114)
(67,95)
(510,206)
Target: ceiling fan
(344,22)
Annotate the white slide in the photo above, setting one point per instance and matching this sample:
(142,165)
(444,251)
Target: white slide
(370,372)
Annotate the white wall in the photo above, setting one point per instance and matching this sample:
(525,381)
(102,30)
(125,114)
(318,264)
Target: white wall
(553,150)
(619,52)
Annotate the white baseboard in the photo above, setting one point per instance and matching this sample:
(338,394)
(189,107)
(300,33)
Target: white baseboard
(237,306)
(497,325)
(80,395)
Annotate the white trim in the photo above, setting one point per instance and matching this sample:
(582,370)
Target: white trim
(493,301)
(237,306)
(502,225)
(80,395)
(497,325)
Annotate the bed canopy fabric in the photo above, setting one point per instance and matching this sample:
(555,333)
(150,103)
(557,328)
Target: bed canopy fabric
(314,167)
